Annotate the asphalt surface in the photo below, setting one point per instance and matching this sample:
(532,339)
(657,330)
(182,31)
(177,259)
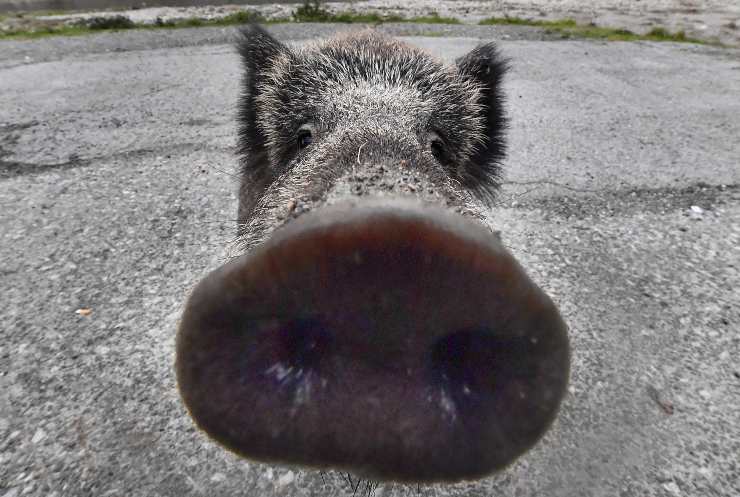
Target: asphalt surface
(117,194)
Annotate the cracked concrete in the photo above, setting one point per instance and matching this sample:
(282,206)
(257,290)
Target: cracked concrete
(622,202)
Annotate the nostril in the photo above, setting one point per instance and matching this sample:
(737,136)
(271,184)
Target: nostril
(462,361)
(478,364)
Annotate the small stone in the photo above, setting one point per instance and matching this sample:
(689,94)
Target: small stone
(705,471)
(218,477)
(286,479)
(38,436)
(13,492)
(672,488)
(696,213)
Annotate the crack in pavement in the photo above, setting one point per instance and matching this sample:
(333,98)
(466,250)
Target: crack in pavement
(14,169)
(553,183)
(630,201)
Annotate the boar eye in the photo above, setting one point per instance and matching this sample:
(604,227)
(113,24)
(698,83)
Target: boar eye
(437,146)
(305,138)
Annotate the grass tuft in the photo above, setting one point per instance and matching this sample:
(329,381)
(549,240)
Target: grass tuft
(518,21)
(433,18)
(110,22)
(44,31)
(313,11)
(118,22)
(664,34)
(569,28)
(242,17)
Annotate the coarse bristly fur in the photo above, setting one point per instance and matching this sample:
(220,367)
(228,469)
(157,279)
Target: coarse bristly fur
(386,336)
(366,98)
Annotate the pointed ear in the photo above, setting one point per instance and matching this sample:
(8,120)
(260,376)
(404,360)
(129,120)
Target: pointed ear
(485,66)
(259,51)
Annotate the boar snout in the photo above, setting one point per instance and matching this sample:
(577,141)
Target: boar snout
(396,340)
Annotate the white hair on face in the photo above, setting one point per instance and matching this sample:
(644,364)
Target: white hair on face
(340,70)
(364,97)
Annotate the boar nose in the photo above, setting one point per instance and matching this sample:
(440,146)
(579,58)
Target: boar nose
(393,340)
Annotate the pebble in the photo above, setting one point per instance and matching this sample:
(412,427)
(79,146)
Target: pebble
(696,213)
(38,436)
(672,488)
(286,479)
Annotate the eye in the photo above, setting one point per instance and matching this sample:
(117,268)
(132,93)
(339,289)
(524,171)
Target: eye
(437,146)
(304,138)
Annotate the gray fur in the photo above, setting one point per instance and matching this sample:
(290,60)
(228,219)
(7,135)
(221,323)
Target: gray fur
(414,307)
(373,104)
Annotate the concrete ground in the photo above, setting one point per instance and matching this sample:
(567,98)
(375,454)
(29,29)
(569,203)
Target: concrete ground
(117,194)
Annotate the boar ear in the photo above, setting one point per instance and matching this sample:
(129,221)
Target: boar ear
(258,51)
(486,67)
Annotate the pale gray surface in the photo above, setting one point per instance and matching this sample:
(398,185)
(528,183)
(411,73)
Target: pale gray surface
(112,199)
